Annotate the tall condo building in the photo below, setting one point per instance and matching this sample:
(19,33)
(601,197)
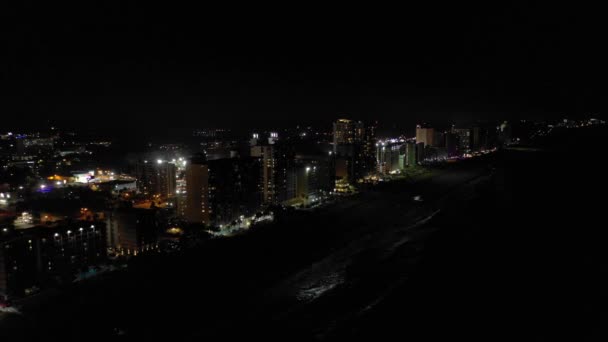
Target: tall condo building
(425,135)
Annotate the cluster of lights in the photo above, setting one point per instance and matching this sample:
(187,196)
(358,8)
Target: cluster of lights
(68,232)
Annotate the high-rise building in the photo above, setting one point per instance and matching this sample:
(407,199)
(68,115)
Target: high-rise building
(451,144)
(420,152)
(276,160)
(387,156)
(198,208)
(355,142)
(369,148)
(131,231)
(425,135)
(233,188)
(156,178)
(221,190)
(309,178)
(464,139)
(45,257)
(410,154)
(348,132)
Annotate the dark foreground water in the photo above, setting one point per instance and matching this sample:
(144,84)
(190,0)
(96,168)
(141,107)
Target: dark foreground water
(508,248)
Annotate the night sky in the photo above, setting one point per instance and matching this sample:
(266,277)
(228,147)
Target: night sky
(172,68)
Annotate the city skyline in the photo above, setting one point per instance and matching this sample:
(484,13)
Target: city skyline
(425,172)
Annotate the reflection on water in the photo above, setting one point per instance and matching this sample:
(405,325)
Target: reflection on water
(314,290)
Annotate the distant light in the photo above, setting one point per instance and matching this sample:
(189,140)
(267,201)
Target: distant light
(20,188)
(81,229)
(58,182)
(42,186)
(56,234)
(159,161)
(307,168)
(69,232)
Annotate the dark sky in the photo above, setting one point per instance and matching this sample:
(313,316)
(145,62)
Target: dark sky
(175,68)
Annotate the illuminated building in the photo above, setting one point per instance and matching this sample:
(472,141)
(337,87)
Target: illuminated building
(464,140)
(410,154)
(369,148)
(276,160)
(156,178)
(309,178)
(131,231)
(342,187)
(220,191)
(348,132)
(355,142)
(387,155)
(212,133)
(233,188)
(198,209)
(425,135)
(43,257)
(420,152)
